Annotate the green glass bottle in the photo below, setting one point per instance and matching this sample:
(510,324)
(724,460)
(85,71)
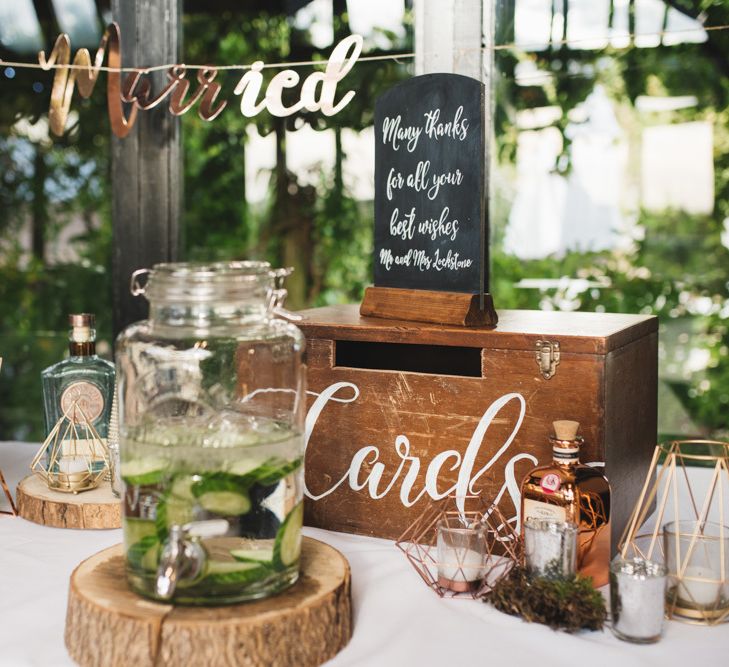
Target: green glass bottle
(82,385)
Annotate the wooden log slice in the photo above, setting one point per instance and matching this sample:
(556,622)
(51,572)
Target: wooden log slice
(98,508)
(109,626)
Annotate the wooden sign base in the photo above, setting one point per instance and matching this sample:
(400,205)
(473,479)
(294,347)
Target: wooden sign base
(95,509)
(457,308)
(308,624)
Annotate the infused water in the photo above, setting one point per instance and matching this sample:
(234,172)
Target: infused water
(241,469)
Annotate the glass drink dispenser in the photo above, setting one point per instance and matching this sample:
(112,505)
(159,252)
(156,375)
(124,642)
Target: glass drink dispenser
(211,394)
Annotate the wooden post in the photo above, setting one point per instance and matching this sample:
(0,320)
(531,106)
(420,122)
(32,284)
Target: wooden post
(146,165)
(448,36)
(458,36)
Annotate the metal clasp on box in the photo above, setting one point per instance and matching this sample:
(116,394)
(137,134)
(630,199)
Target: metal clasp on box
(547,357)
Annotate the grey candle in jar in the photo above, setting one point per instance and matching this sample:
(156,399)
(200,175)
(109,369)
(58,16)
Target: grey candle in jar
(637,599)
(550,548)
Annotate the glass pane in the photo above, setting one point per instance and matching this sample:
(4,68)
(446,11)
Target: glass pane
(611,187)
(55,224)
(297,191)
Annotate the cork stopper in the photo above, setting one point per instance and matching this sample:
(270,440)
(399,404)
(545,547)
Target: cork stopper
(82,334)
(565,442)
(564,429)
(82,320)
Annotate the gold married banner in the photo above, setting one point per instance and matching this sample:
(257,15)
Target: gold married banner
(129,91)
(129,88)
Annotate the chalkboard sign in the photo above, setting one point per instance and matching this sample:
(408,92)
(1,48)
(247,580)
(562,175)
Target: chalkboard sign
(430,219)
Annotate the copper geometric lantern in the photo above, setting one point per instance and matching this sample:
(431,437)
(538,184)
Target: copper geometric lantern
(690,531)
(460,552)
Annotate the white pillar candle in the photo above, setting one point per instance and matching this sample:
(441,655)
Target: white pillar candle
(71,464)
(700,593)
(460,565)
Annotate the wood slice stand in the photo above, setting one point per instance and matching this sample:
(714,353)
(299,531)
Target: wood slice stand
(98,508)
(109,626)
(417,305)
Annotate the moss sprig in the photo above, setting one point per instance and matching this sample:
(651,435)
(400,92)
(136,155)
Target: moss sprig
(562,604)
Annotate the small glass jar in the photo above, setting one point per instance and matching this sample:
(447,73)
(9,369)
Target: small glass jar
(697,559)
(462,553)
(211,401)
(550,548)
(637,599)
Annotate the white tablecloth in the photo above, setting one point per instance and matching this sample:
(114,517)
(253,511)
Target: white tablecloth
(398,622)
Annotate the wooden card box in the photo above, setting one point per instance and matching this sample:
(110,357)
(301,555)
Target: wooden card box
(402,410)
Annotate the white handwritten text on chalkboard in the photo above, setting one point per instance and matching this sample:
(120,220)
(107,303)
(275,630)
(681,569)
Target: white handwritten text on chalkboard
(428,184)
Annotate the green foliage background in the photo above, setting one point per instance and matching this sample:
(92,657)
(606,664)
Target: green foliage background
(676,259)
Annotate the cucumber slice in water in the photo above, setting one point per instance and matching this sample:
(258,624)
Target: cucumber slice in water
(275,469)
(245,467)
(262,556)
(182,487)
(223,494)
(217,481)
(178,511)
(172,510)
(234,572)
(160,519)
(225,503)
(144,554)
(287,548)
(143,472)
(135,530)
(150,560)
(264,472)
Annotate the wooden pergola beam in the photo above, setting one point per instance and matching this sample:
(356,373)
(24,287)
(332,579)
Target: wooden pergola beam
(146,166)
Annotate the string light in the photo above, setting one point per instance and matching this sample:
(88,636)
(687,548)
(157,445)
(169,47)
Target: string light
(397,57)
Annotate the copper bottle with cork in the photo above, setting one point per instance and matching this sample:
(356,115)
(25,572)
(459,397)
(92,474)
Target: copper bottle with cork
(566,490)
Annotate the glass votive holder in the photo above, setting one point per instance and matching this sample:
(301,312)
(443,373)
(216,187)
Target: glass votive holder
(697,560)
(462,552)
(550,548)
(637,599)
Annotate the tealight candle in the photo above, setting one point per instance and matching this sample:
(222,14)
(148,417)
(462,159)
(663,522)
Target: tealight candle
(697,559)
(461,555)
(461,565)
(700,585)
(71,464)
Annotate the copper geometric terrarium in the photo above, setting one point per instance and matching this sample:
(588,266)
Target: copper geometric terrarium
(458,548)
(689,530)
(73,458)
